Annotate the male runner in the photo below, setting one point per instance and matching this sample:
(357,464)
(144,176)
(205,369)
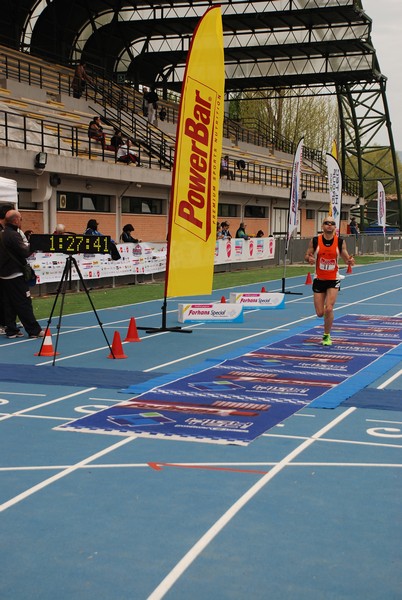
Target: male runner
(323,252)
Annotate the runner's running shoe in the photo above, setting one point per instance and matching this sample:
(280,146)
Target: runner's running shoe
(326,340)
(17,334)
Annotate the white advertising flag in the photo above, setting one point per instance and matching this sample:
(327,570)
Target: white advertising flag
(294,192)
(335,189)
(381,210)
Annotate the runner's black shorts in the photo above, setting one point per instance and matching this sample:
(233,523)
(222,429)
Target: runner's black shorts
(320,286)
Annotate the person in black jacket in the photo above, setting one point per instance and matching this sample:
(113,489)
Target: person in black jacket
(126,236)
(116,140)
(16,295)
(4,208)
(152,99)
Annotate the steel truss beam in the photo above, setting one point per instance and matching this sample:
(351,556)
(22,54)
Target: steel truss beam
(364,114)
(301,45)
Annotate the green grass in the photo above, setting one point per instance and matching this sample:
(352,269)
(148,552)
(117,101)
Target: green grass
(132,294)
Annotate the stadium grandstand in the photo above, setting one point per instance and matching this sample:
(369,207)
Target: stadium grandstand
(63,176)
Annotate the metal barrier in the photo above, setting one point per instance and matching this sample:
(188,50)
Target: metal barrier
(20,130)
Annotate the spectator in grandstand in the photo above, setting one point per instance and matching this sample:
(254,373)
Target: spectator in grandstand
(92,228)
(260,233)
(226,235)
(126,236)
(241,232)
(323,252)
(4,208)
(219,234)
(95,131)
(144,102)
(162,113)
(225,171)
(353,226)
(126,154)
(80,79)
(151,99)
(15,290)
(116,140)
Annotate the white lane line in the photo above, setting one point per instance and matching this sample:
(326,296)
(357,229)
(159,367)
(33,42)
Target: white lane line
(393,422)
(390,380)
(21,393)
(48,403)
(193,325)
(217,527)
(249,337)
(356,443)
(233,466)
(101,348)
(64,473)
(67,419)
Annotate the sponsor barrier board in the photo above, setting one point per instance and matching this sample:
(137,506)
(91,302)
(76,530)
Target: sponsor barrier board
(219,312)
(266,300)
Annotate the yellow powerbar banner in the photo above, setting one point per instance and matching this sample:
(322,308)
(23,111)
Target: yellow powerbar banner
(195,186)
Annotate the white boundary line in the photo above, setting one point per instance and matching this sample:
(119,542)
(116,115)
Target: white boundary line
(264,332)
(171,578)
(232,466)
(46,482)
(36,406)
(390,380)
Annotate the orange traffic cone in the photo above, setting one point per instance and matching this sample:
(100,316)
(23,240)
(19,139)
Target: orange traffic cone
(223,300)
(308,279)
(47,347)
(349,269)
(132,333)
(117,348)
(263,290)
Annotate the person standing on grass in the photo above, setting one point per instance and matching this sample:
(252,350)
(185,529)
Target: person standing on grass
(15,290)
(323,252)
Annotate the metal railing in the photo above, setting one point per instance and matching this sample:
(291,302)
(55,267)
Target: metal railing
(154,150)
(121,107)
(104,91)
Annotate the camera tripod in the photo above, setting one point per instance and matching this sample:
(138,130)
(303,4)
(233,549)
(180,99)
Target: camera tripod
(61,291)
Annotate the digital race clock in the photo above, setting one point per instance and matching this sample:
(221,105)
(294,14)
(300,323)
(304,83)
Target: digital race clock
(70,244)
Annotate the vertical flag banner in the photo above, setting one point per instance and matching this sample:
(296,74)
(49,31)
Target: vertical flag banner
(195,184)
(335,189)
(294,192)
(381,209)
(334,149)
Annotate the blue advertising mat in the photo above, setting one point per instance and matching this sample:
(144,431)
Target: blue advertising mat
(237,400)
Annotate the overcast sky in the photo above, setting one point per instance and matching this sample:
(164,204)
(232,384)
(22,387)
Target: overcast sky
(387,40)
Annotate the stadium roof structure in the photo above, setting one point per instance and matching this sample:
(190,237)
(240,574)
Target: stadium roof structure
(304,46)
